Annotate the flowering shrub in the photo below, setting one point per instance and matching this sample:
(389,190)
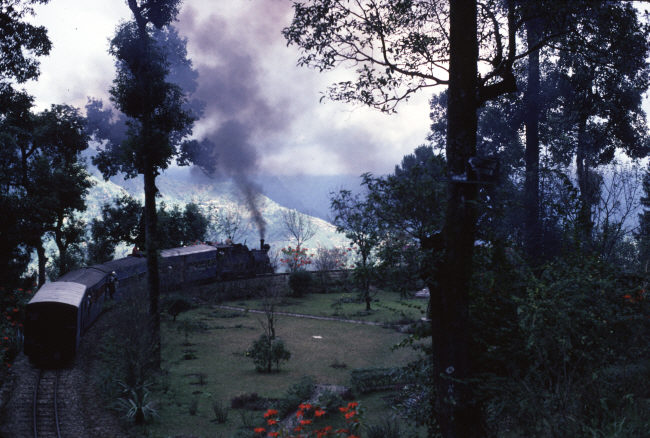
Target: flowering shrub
(307,417)
(12,304)
(328,259)
(296,259)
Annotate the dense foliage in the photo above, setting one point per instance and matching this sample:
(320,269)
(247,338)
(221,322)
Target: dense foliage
(123,222)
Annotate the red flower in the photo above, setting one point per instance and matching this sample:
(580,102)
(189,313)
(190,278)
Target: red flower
(272,421)
(353,405)
(342,431)
(259,430)
(305,422)
(270,413)
(274,434)
(319,412)
(299,414)
(350,414)
(342,409)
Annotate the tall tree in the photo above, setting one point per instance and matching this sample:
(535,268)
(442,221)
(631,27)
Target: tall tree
(21,43)
(400,47)
(354,217)
(158,121)
(600,78)
(42,159)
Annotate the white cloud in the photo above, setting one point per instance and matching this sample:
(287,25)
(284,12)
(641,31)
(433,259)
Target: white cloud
(302,136)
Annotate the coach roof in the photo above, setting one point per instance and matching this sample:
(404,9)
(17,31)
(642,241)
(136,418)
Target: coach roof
(64,292)
(187,250)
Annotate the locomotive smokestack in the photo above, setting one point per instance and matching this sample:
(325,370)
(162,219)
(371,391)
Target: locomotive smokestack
(262,244)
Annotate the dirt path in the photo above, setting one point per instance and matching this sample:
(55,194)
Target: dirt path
(302,315)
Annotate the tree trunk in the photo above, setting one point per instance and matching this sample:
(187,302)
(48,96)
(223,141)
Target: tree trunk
(42,260)
(532,229)
(456,412)
(153,279)
(584,184)
(60,245)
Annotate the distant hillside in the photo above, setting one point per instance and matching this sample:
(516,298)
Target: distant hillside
(307,193)
(179,186)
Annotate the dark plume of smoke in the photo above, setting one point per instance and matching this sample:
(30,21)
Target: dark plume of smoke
(251,194)
(237,114)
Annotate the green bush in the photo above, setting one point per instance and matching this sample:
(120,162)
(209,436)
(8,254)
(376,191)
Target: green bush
(298,393)
(176,304)
(561,348)
(365,380)
(387,428)
(330,401)
(266,352)
(300,283)
(251,401)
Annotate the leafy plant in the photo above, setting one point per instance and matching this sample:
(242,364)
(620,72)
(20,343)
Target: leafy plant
(299,282)
(220,412)
(266,352)
(135,402)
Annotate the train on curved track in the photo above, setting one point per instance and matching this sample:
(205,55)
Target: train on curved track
(60,312)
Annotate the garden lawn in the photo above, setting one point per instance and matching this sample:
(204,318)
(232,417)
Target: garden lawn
(387,307)
(204,353)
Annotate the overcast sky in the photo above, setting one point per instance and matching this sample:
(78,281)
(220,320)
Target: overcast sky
(248,76)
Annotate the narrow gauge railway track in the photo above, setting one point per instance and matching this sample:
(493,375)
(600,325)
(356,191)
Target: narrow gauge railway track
(45,405)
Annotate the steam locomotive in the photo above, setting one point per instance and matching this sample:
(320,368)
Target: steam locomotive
(59,314)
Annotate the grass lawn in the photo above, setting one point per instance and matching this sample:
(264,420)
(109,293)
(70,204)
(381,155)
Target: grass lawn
(387,307)
(204,354)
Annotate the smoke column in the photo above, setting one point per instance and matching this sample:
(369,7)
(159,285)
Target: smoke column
(236,113)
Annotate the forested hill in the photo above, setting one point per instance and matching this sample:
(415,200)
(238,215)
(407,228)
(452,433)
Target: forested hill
(179,186)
